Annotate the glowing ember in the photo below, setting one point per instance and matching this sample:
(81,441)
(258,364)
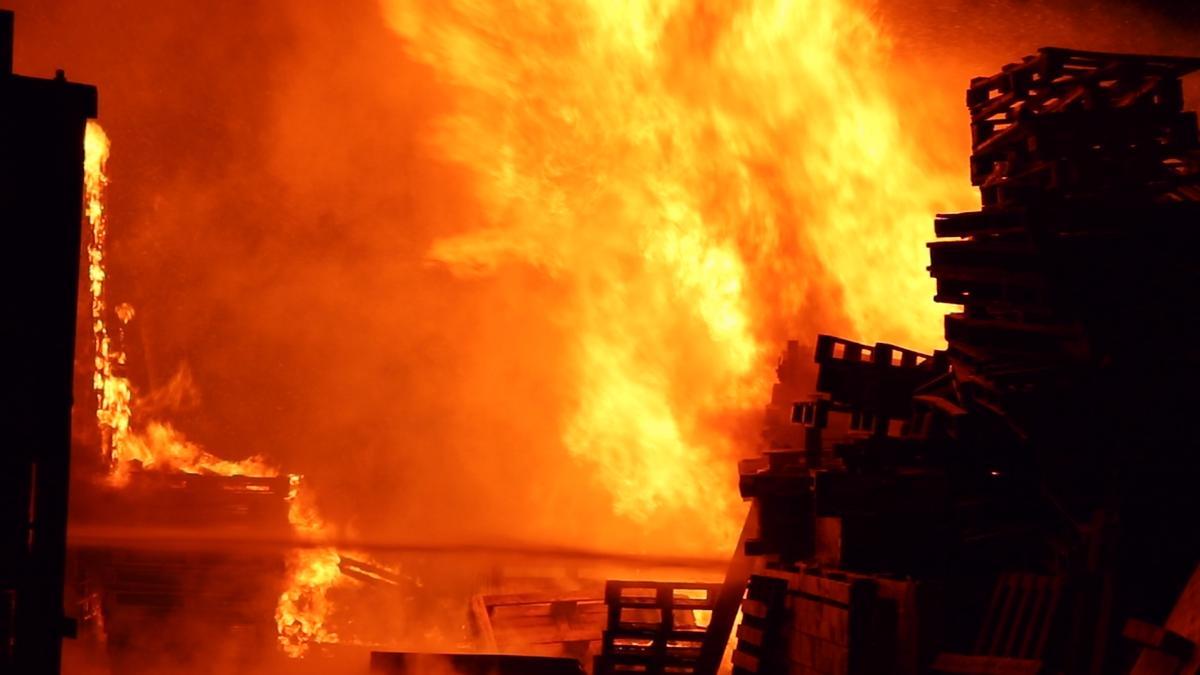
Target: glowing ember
(303,608)
(693,174)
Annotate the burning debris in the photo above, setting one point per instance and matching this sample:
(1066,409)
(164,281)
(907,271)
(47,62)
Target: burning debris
(206,484)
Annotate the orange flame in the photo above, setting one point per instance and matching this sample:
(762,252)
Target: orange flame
(159,446)
(299,615)
(303,609)
(113,393)
(693,173)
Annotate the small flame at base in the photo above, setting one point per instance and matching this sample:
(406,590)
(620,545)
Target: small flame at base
(302,608)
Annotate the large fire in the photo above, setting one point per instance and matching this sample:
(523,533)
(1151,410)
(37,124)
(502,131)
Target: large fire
(304,605)
(692,173)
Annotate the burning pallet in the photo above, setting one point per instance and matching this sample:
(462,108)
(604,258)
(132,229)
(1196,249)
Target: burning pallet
(653,627)
(1089,172)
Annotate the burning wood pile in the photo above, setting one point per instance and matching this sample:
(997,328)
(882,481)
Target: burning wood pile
(984,509)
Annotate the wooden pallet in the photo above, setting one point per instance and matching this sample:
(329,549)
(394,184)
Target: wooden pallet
(1057,79)
(653,628)
(875,382)
(550,624)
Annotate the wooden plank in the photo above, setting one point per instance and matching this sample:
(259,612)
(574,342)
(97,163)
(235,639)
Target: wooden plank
(583,595)
(729,599)
(1184,621)
(832,659)
(483,623)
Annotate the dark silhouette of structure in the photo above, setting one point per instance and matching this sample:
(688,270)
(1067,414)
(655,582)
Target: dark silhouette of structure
(41,199)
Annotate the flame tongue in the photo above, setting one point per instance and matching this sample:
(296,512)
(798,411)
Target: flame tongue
(304,604)
(707,179)
(113,393)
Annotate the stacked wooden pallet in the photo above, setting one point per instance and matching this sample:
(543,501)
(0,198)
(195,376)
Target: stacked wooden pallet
(1088,169)
(1071,279)
(654,627)
(874,384)
(855,433)
(862,391)
(1067,121)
